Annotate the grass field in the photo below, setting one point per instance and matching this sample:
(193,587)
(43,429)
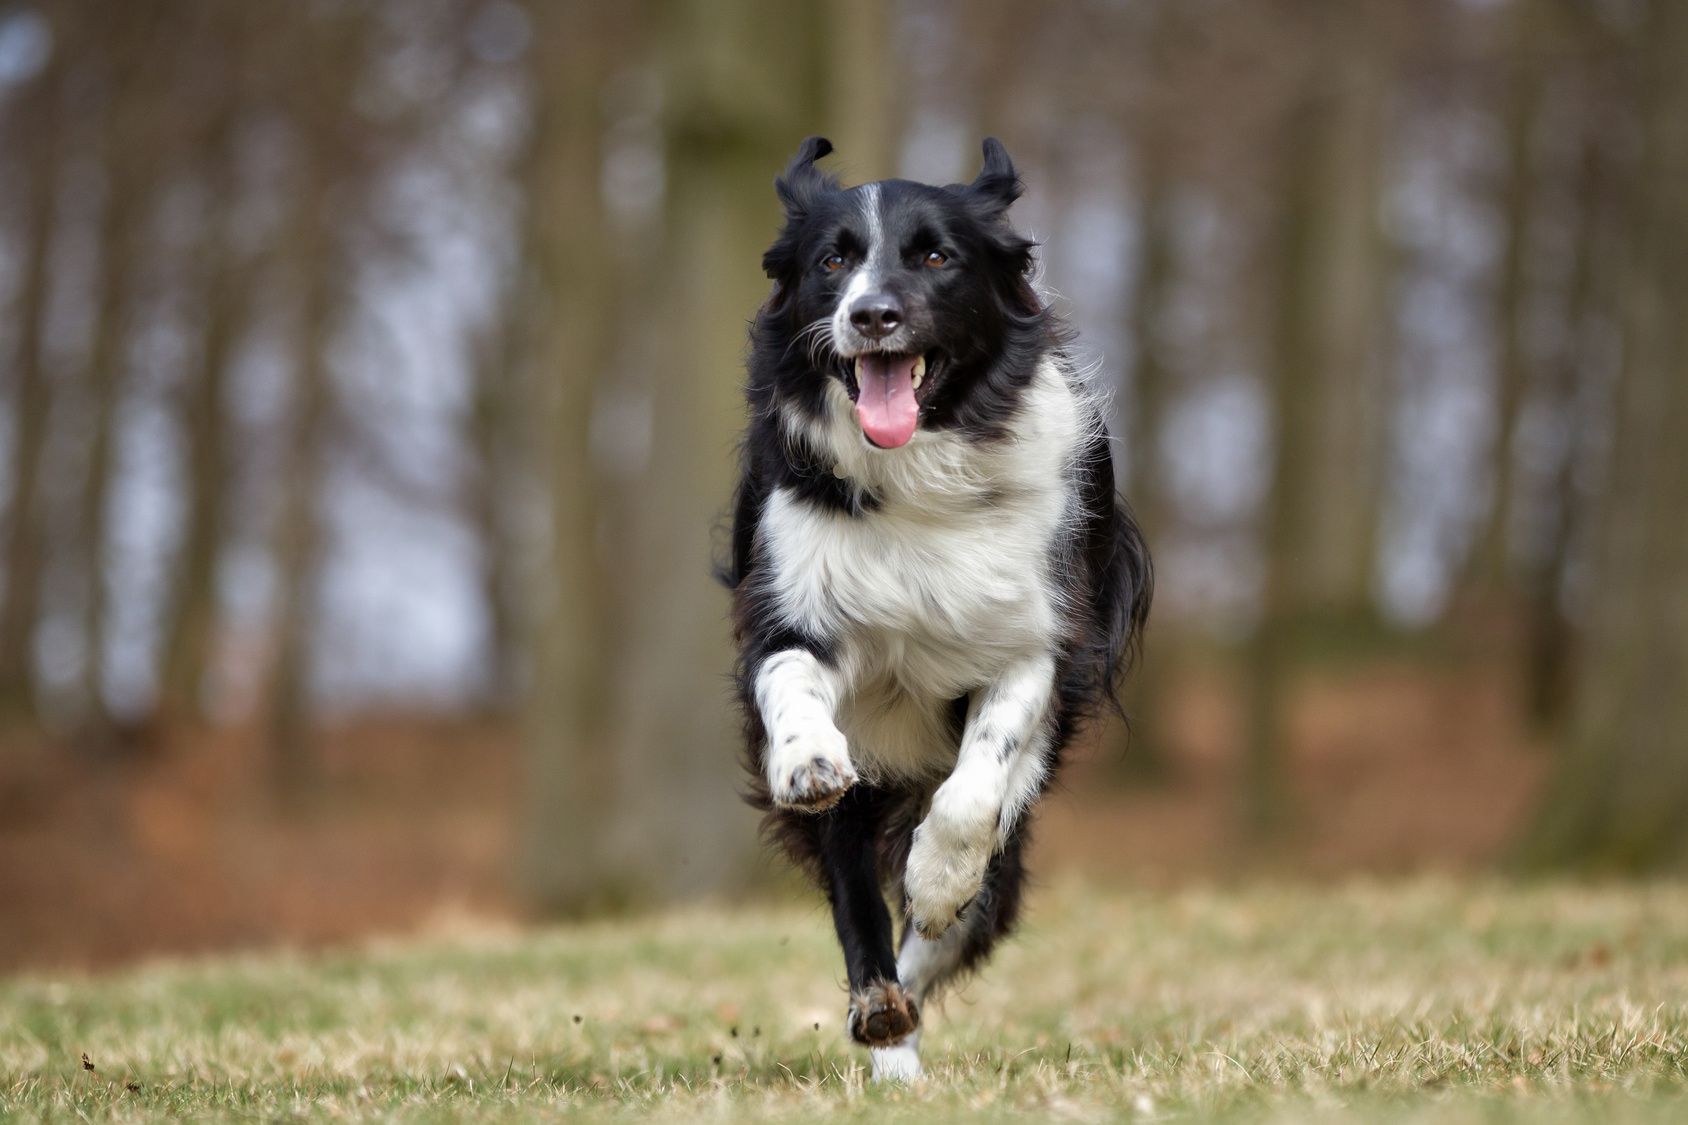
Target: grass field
(1425,1000)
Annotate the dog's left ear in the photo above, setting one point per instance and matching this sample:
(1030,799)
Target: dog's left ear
(997,184)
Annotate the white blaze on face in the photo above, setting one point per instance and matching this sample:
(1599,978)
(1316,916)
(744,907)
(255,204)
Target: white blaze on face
(885,402)
(866,277)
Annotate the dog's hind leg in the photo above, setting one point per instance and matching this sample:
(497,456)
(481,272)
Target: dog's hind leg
(881,1014)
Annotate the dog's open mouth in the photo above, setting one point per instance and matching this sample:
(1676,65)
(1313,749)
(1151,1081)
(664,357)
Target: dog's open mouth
(887,389)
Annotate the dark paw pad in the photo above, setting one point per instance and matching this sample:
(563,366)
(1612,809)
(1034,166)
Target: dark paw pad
(882,1014)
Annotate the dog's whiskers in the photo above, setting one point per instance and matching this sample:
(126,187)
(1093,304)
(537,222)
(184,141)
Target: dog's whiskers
(816,340)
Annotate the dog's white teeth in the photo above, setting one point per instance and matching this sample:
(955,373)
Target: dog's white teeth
(858,371)
(919,371)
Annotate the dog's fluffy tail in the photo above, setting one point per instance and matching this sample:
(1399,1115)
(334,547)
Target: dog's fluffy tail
(1124,591)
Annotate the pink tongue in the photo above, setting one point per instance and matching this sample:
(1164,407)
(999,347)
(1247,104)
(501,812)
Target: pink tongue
(885,404)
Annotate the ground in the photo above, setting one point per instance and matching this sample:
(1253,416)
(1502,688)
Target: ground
(1422,999)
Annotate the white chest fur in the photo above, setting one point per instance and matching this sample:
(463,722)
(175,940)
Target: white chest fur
(944,584)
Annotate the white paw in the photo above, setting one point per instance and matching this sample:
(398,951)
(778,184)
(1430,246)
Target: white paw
(945,869)
(900,1063)
(809,769)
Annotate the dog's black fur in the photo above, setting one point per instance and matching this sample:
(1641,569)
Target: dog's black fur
(985,334)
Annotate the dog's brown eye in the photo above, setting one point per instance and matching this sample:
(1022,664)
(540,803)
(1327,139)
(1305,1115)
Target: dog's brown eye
(832,262)
(936,258)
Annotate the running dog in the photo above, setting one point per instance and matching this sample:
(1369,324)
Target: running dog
(935,582)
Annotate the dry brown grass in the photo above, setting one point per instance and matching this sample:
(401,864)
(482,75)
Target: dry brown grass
(1422,1000)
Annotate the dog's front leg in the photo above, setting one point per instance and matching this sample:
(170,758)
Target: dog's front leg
(807,760)
(997,774)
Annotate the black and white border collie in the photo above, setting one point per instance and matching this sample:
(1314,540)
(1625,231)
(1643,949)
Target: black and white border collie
(935,582)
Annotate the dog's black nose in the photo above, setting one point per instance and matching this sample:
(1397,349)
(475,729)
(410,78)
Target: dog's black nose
(877,315)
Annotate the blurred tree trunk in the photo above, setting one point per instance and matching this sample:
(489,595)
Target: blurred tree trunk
(573,795)
(39,116)
(500,433)
(1490,561)
(994,37)
(1346,380)
(1325,379)
(299,534)
(328,178)
(130,171)
(1621,798)
(1566,378)
(863,118)
(191,609)
(747,83)
(1151,297)
(1293,386)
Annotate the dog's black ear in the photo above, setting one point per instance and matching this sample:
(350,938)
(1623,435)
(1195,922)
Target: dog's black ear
(997,184)
(802,181)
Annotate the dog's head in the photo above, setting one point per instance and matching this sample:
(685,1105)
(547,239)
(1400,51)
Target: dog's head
(906,293)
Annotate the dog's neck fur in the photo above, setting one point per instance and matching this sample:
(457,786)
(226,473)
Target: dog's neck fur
(947,580)
(944,471)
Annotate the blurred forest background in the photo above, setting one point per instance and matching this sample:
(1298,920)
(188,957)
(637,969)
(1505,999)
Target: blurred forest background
(370,373)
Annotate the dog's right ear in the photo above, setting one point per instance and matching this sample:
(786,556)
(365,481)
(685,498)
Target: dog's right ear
(802,181)
(799,187)
(998,184)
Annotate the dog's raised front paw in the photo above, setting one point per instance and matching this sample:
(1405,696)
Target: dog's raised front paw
(810,771)
(944,874)
(881,1014)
